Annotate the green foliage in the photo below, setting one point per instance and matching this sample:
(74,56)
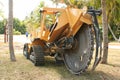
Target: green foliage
(112,9)
(81,3)
(113,13)
(19,26)
(33,20)
(1,27)
(16,32)
(114,27)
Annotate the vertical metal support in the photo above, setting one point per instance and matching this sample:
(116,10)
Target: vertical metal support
(98,41)
(98,53)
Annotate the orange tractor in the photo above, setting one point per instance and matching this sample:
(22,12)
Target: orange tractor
(67,35)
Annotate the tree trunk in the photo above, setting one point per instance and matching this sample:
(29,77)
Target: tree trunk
(105,32)
(10,26)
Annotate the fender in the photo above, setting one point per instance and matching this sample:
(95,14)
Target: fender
(76,18)
(37,41)
(86,18)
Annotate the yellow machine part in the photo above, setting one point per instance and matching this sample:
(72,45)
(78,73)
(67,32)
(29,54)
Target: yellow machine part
(69,22)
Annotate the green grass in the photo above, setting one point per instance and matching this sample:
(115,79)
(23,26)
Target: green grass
(23,69)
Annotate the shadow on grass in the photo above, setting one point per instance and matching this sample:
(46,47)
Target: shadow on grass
(88,75)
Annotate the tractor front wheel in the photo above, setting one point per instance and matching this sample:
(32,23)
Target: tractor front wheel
(37,55)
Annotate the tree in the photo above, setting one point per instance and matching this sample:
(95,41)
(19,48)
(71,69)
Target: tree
(73,3)
(113,11)
(10,26)
(33,20)
(105,32)
(19,26)
(1,27)
(1,14)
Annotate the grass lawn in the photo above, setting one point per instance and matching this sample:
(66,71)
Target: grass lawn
(23,69)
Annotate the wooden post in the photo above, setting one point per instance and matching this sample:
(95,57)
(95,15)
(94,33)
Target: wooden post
(105,32)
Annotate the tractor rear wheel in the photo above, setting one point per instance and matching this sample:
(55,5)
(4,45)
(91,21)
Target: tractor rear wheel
(37,55)
(78,58)
(25,51)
